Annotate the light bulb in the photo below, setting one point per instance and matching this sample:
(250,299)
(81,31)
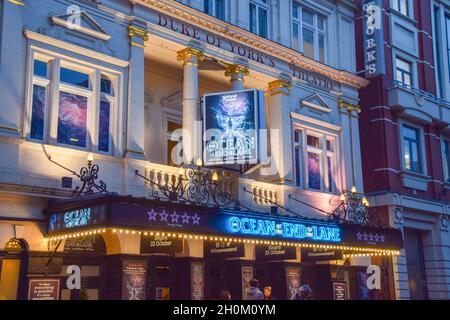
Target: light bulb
(215,176)
(199,162)
(353,189)
(90,157)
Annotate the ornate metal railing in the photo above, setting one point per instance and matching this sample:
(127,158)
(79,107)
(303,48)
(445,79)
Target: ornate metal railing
(191,184)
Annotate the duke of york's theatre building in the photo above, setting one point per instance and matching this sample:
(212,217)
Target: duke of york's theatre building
(97,99)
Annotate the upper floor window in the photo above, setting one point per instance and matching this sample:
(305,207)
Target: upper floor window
(403,73)
(401,6)
(71,104)
(259,17)
(215,8)
(309,33)
(315,160)
(447,23)
(446,159)
(412,149)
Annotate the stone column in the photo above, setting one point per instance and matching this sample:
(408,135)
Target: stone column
(281,130)
(237,73)
(191,58)
(136,117)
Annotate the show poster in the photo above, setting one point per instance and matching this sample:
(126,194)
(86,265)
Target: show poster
(247,276)
(43,289)
(230,124)
(364,293)
(339,290)
(134,274)
(197,281)
(292,281)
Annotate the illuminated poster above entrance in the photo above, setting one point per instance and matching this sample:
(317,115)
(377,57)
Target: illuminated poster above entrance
(231,124)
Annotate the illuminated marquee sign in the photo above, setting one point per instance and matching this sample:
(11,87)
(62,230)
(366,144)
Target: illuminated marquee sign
(288,230)
(77,218)
(231,122)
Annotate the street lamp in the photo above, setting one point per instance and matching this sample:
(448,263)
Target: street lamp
(353,208)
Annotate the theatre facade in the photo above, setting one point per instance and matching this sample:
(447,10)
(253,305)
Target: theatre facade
(110,168)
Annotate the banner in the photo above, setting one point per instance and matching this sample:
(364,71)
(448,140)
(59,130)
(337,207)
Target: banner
(230,127)
(86,244)
(292,281)
(319,254)
(161,244)
(275,252)
(247,276)
(197,281)
(223,249)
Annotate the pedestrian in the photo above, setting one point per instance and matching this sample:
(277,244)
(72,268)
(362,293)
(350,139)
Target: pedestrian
(225,295)
(268,293)
(304,293)
(253,293)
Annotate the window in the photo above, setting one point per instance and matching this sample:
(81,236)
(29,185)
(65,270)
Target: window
(403,72)
(401,6)
(174,152)
(447,23)
(446,159)
(84,100)
(316,160)
(412,154)
(215,8)
(309,33)
(259,17)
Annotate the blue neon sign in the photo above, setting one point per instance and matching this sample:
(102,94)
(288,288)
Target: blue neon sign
(289,230)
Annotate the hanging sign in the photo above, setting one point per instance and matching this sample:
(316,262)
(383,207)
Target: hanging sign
(231,123)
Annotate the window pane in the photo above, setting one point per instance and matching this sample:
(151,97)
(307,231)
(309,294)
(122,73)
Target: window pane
(313,141)
(298,136)
(314,170)
(308,43)
(321,23)
(297,167)
(262,22)
(220,9)
(330,175)
(106,86)
(38,113)
(74,77)
(308,17)
(448,42)
(295,11)
(206,8)
(330,145)
(40,68)
(447,160)
(295,31)
(403,65)
(410,133)
(72,119)
(407,154)
(252,18)
(103,126)
(322,48)
(404,7)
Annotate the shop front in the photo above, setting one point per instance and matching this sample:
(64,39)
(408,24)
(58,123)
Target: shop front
(143,249)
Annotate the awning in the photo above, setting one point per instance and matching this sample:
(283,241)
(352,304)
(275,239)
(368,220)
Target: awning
(121,214)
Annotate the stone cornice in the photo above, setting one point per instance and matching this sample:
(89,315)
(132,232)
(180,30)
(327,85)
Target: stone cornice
(204,21)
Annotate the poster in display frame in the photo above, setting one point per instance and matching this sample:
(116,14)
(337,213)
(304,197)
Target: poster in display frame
(44,289)
(134,280)
(232,121)
(340,290)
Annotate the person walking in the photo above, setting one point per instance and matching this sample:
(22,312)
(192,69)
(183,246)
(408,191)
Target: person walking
(253,293)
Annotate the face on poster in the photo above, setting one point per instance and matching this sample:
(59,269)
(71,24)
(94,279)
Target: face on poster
(230,124)
(292,281)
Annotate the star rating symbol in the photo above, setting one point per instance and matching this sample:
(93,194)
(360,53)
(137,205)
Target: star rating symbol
(196,219)
(365,236)
(185,218)
(377,238)
(371,237)
(163,216)
(382,238)
(175,217)
(152,215)
(359,235)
